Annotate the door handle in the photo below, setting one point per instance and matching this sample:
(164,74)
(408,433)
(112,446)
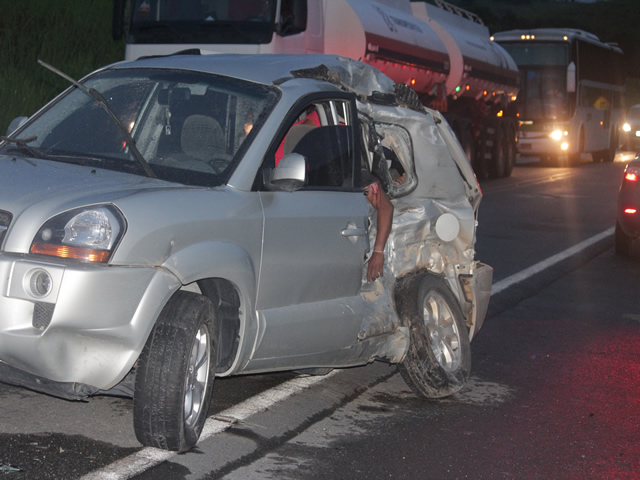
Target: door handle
(352,232)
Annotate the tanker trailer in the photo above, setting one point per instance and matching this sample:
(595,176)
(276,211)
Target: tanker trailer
(441,51)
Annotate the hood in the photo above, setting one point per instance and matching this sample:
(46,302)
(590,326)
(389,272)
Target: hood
(34,190)
(25,182)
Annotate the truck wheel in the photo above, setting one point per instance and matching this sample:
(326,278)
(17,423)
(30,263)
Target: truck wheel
(511,148)
(468,143)
(498,166)
(175,374)
(439,358)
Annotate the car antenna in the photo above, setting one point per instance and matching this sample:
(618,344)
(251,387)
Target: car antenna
(97,96)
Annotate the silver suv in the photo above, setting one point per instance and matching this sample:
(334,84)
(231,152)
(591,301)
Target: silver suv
(169,220)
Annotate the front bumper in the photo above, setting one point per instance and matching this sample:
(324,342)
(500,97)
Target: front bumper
(542,145)
(88,330)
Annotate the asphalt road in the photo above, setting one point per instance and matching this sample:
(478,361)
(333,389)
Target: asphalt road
(553,391)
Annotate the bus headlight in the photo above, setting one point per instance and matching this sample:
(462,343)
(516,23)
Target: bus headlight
(557,135)
(564,146)
(626,127)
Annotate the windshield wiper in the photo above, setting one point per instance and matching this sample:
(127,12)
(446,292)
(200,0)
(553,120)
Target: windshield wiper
(22,144)
(97,96)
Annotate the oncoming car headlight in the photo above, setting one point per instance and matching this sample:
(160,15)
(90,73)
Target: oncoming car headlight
(88,234)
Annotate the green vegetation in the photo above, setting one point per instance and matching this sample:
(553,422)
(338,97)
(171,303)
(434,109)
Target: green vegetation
(72,35)
(75,36)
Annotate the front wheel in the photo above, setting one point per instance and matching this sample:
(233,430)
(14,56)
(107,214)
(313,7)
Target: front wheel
(439,358)
(175,373)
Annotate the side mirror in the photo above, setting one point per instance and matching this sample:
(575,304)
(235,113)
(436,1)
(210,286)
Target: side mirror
(571,78)
(290,174)
(15,124)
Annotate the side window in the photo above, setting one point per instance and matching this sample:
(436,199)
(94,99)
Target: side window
(389,156)
(323,134)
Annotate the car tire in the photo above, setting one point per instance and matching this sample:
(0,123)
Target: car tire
(175,374)
(439,358)
(623,242)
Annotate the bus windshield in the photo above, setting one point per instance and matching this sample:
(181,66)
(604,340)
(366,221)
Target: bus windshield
(543,95)
(202,21)
(543,85)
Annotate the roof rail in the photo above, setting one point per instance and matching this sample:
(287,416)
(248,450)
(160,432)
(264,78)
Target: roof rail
(459,11)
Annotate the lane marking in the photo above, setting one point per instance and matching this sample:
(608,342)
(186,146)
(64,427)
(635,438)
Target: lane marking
(149,457)
(549,262)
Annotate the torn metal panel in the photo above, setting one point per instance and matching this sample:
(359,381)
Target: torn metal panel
(435,204)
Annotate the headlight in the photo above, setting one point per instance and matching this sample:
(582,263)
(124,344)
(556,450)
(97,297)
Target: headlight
(626,127)
(89,234)
(557,135)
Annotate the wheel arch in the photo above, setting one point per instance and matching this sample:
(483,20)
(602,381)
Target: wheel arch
(408,281)
(226,274)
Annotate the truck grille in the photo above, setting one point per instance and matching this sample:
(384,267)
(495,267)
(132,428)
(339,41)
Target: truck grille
(5,220)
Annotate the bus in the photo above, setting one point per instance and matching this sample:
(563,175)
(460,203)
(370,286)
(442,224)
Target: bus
(571,93)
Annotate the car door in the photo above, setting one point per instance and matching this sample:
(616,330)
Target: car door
(315,241)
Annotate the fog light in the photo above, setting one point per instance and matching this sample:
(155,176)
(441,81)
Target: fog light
(564,146)
(40,283)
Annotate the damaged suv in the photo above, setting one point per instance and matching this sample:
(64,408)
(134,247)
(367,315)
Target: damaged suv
(150,240)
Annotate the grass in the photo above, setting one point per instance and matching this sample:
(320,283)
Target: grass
(72,35)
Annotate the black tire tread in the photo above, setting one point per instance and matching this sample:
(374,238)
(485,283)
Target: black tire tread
(420,369)
(158,397)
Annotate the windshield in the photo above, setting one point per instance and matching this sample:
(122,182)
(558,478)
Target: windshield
(543,95)
(543,85)
(190,127)
(202,21)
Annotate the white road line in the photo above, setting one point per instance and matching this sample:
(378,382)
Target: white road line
(540,266)
(149,457)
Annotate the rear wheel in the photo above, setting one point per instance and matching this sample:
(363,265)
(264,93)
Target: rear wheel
(574,159)
(623,242)
(175,373)
(439,358)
